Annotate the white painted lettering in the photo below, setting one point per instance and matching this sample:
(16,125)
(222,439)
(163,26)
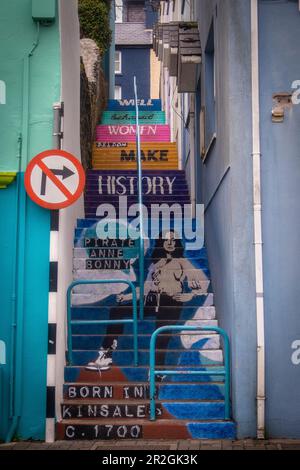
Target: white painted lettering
(296,354)
(66,412)
(296,94)
(72,392)
(70,432)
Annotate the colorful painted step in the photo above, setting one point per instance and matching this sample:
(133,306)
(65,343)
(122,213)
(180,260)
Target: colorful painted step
(127,133)
(162,155)
(140,391)
(161,429)
(144,104)
(182,410)
(121,117)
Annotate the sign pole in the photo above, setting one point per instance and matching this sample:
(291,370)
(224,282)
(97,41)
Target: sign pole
(140,196)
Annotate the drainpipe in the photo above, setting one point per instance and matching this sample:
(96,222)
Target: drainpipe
(192,155)
(257,213)
(19,270)
(112,49)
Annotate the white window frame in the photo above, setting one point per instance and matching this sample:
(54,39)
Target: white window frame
(118,92)
(118,70)
(119,8)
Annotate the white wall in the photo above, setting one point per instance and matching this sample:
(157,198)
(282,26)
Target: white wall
(70,95)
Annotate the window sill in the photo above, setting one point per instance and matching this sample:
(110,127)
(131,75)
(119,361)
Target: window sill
(209,147)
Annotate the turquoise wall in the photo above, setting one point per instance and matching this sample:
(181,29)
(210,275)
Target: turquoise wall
(18,33)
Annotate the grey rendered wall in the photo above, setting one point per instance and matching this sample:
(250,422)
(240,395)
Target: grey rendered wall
(279,67)
(70,63)
(227,192)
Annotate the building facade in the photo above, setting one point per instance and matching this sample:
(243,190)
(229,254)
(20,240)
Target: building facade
(134,55)
(239,145)
(39,57)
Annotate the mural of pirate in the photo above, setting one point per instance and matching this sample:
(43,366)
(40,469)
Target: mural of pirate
(172,281)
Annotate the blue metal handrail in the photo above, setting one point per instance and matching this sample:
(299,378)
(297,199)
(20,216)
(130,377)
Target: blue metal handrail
(140,196)
(71,322)
(223,371)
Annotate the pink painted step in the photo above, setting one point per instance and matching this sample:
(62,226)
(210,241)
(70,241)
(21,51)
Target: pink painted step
(127,133)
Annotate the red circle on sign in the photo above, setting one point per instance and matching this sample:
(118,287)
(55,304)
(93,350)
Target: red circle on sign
(38,161)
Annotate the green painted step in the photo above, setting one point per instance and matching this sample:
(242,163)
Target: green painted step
(129,117)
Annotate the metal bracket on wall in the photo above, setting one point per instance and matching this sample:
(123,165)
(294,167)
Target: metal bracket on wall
(281,102)
(58,114)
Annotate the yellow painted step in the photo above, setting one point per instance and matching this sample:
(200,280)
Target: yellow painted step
(154,156)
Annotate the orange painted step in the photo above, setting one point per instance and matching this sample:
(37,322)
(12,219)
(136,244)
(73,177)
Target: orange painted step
(154,156)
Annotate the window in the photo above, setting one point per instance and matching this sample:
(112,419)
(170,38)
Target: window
(118,62)
(210,89)
(136,12)
(119,11)
(118,92)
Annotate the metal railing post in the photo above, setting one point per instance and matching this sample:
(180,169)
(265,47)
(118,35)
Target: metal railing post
(71,322)
(223,371)
(140,196)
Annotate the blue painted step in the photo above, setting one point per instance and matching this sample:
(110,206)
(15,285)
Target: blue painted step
(144,104)
(125,342)
(144,328)
(204,315)
(109,298)
(126,358)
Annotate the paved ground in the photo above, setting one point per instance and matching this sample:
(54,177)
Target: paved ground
(248,444)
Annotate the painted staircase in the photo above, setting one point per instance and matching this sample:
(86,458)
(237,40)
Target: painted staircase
(111,401)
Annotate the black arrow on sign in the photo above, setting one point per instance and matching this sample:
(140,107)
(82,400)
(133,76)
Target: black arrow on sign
(65,173)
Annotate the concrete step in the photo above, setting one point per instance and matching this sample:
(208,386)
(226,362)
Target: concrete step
(144,429)
(116,373)
(136,410)
(140,391)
